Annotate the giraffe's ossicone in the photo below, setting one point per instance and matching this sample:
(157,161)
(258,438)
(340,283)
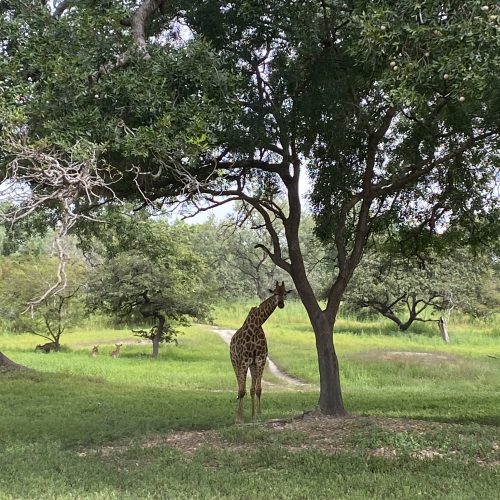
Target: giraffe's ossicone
(248,348)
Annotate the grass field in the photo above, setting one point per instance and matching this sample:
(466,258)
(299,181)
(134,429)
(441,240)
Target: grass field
(425,417)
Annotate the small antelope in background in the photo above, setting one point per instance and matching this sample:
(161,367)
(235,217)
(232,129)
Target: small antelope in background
(95,351)
(116,352)
(49,346)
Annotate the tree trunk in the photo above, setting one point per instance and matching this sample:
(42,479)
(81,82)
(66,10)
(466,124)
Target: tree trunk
(322,322)
(443,329)
(404,326)
(157,337)
(7,364)
(330,397)
(390,315)
(156,346)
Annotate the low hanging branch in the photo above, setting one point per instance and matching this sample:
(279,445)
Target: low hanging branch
(36,179)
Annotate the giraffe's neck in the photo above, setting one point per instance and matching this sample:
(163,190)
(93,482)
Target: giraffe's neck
(266,308)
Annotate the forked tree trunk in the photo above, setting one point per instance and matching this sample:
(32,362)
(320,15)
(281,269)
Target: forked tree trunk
(403,327)
(322,322)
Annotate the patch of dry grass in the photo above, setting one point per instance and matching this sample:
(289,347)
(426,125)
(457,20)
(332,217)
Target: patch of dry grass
(389,438)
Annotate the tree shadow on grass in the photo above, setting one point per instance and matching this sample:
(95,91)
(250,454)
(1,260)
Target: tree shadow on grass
(47,418)
(456,408)
(76,410)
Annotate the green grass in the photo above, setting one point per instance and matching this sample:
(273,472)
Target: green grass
(458,379)
(75,427)
(182,367)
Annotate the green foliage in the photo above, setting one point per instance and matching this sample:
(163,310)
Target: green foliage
(334,70)
(168,107)
(24,278)
(437,65)
(148,270)
(401,287)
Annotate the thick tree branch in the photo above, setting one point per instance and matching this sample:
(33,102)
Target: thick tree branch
(278,168)
(276,255)
(394,302)
(61,7)
(376,135)
(238,193)
(413,173)
(138,22)
(374,139)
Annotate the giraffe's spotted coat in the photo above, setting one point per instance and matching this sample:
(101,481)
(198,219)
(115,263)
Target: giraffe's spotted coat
(248,349)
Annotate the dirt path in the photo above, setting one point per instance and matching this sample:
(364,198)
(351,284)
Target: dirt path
(226,335)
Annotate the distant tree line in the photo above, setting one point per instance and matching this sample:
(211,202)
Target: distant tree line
(154,274)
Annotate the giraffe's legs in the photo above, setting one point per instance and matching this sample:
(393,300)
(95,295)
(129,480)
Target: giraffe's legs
(253,370)
(256,371)
(241,375)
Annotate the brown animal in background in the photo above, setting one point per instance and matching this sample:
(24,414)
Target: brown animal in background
(116,352)
(95,351)
(49,346)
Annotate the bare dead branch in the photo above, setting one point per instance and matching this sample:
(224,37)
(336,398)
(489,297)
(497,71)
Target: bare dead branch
(38,179)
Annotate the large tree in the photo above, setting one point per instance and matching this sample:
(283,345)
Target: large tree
(392,107)
(147,271)
(406,289)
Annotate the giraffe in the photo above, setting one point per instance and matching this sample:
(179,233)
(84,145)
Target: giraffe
(248,348)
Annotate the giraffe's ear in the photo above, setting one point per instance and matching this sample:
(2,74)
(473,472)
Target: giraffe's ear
(289,291)
(272,291)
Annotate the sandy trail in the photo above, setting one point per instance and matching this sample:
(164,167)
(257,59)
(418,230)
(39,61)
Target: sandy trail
(226,335)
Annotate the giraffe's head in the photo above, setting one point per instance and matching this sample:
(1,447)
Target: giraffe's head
(280,291)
